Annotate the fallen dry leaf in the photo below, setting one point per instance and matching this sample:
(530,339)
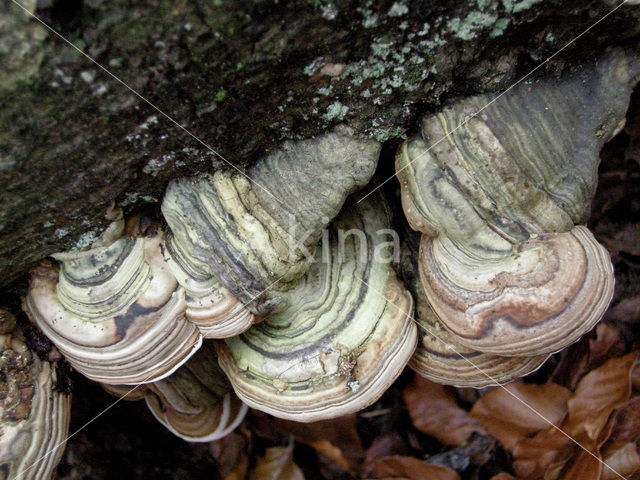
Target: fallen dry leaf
(552,453)
(383,446)
(329,450)
(412,469)
(434,411)
(578,465)
(588,354)
(232,454)
(572,365)
(598,394)
(623,461)
(626,427)
(534,455)
(607,344)
(626,310)
(336,439)
(516,411)
(503,476)
(277,464)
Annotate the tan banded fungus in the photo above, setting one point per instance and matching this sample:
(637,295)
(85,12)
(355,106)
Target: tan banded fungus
(34,412)
(257,236)
(196,402)
(440,357)
(345,334)
(115,312)
(498,196)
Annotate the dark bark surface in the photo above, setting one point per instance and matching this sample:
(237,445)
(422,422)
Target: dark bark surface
(241,77)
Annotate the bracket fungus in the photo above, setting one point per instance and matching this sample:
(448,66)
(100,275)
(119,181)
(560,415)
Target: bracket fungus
(255,233)
(439,356)
(132,310)
(210,306)
(499,185)
(34,413)
(115,312)
(196,402)
(343,337)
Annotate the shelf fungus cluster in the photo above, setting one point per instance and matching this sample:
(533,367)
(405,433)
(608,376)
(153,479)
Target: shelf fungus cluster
(500,197)
(256,233)
(440,357)
(196,403)
(34,412)
(296,288)
(134,310)
(345,334)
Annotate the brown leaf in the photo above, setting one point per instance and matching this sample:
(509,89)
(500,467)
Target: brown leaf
(231,454)
(412,469)
(326,448)
(626,427)
(627,238)
(516,411)
(534,455)
(598,394)
(581,465)
(607,344)
(434,411)
(336,439)
(623,461)
(572,365)
(503,476)
(277,464)
(554,455)
(381,447)
(626,310)
(588,354)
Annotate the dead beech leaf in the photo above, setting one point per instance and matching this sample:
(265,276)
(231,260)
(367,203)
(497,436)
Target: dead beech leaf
(552,454)
(511,420)
(572,365)
(624,461)
(627,238)
(277,464)
(326,448)
(598,394)
(434,411)
(626,427)
(578,465)
(534,455)
(412,469)
(607,344)
(588,354)
(627,310)
(231,454)
(381,447)
(336,439)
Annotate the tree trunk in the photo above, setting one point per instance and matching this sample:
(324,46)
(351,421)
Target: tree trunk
(230,81)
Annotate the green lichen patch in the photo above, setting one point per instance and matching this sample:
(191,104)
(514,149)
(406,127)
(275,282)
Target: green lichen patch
(221,96)
(336,111)
(518,6)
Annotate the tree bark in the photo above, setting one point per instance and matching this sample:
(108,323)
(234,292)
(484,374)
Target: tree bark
(231,80)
